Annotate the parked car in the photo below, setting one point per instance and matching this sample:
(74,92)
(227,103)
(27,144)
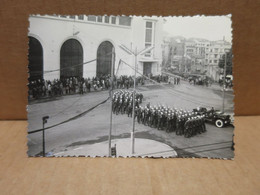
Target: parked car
(217,117)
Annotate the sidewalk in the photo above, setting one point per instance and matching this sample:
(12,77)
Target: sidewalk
(143,148)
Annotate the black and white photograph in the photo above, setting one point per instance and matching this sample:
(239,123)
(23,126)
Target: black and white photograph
(130,86)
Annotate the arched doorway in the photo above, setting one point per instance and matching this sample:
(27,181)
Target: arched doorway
(104,58)
(71,59)
(35,58)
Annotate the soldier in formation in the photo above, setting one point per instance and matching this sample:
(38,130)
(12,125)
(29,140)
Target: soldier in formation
(123,102)
(161,117)
(194,125)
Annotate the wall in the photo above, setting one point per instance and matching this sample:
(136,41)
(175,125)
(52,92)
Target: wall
(47,29)
(91,35)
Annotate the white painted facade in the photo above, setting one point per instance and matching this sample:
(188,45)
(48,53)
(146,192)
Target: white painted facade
(53,31)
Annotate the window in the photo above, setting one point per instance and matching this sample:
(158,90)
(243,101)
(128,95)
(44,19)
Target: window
(92,18)
(63,16)
(216,55)
(106,19)
(210,61)
(149,25)
(124,20)
(148,45)
(216,49)
(113,20)
(72,17)
(81,17)
(99,18)
(148,36)
(215,61)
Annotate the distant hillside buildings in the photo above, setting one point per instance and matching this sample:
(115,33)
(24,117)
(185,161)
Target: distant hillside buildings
(194,56)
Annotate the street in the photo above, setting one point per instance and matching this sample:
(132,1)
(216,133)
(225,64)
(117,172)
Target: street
(81,120)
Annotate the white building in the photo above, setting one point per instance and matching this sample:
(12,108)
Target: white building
(215,51)
(63,46)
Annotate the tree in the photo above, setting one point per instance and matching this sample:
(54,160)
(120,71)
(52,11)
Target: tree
(221,63)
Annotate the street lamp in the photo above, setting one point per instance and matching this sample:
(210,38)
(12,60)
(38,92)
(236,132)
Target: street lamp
(44,120)
(224,81)
(111,97)
(135,53)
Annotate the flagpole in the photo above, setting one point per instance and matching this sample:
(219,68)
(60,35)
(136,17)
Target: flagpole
(224,83)
(133,110)
(111,105)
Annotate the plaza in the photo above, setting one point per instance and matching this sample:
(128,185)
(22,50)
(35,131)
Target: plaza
(92,126)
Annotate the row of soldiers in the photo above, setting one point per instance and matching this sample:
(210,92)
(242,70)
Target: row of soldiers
(171,120)
(123,102)
(161,117)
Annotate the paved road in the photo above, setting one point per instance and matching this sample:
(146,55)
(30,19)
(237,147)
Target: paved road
(93,127)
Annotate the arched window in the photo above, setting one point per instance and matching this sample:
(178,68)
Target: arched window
(35,58)
(71,59)
(104,59)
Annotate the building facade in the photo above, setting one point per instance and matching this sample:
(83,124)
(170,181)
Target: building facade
(214,52)
(198,56)
(83,46)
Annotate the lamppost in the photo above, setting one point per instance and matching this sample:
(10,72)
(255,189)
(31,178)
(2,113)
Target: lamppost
(44,120)
(135,53)
(224,81)
(111,97)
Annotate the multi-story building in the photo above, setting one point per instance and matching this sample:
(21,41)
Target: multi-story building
(205,56)
(173,53)
(83,46)
(196,50)
(214,53)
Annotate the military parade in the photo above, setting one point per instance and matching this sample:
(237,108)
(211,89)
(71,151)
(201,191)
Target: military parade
(125,92)
(161,117)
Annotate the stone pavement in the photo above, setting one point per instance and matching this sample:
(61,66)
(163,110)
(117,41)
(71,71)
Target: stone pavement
(143,148)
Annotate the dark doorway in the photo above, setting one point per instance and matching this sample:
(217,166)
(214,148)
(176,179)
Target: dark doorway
(104,58)
(147,68)
(71,59)
(35,58)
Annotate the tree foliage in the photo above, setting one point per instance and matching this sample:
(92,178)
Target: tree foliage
(229,66)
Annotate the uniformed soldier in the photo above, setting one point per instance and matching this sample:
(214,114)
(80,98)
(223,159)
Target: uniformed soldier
(168,123)
(159,120)
(130,109)
(203,124)
(139,115)
(187,127)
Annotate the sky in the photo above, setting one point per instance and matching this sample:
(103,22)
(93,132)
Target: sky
(212,28)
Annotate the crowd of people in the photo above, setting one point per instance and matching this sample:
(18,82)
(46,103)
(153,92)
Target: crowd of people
(159,78)
(161,117)
(72,85)
(175,80)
